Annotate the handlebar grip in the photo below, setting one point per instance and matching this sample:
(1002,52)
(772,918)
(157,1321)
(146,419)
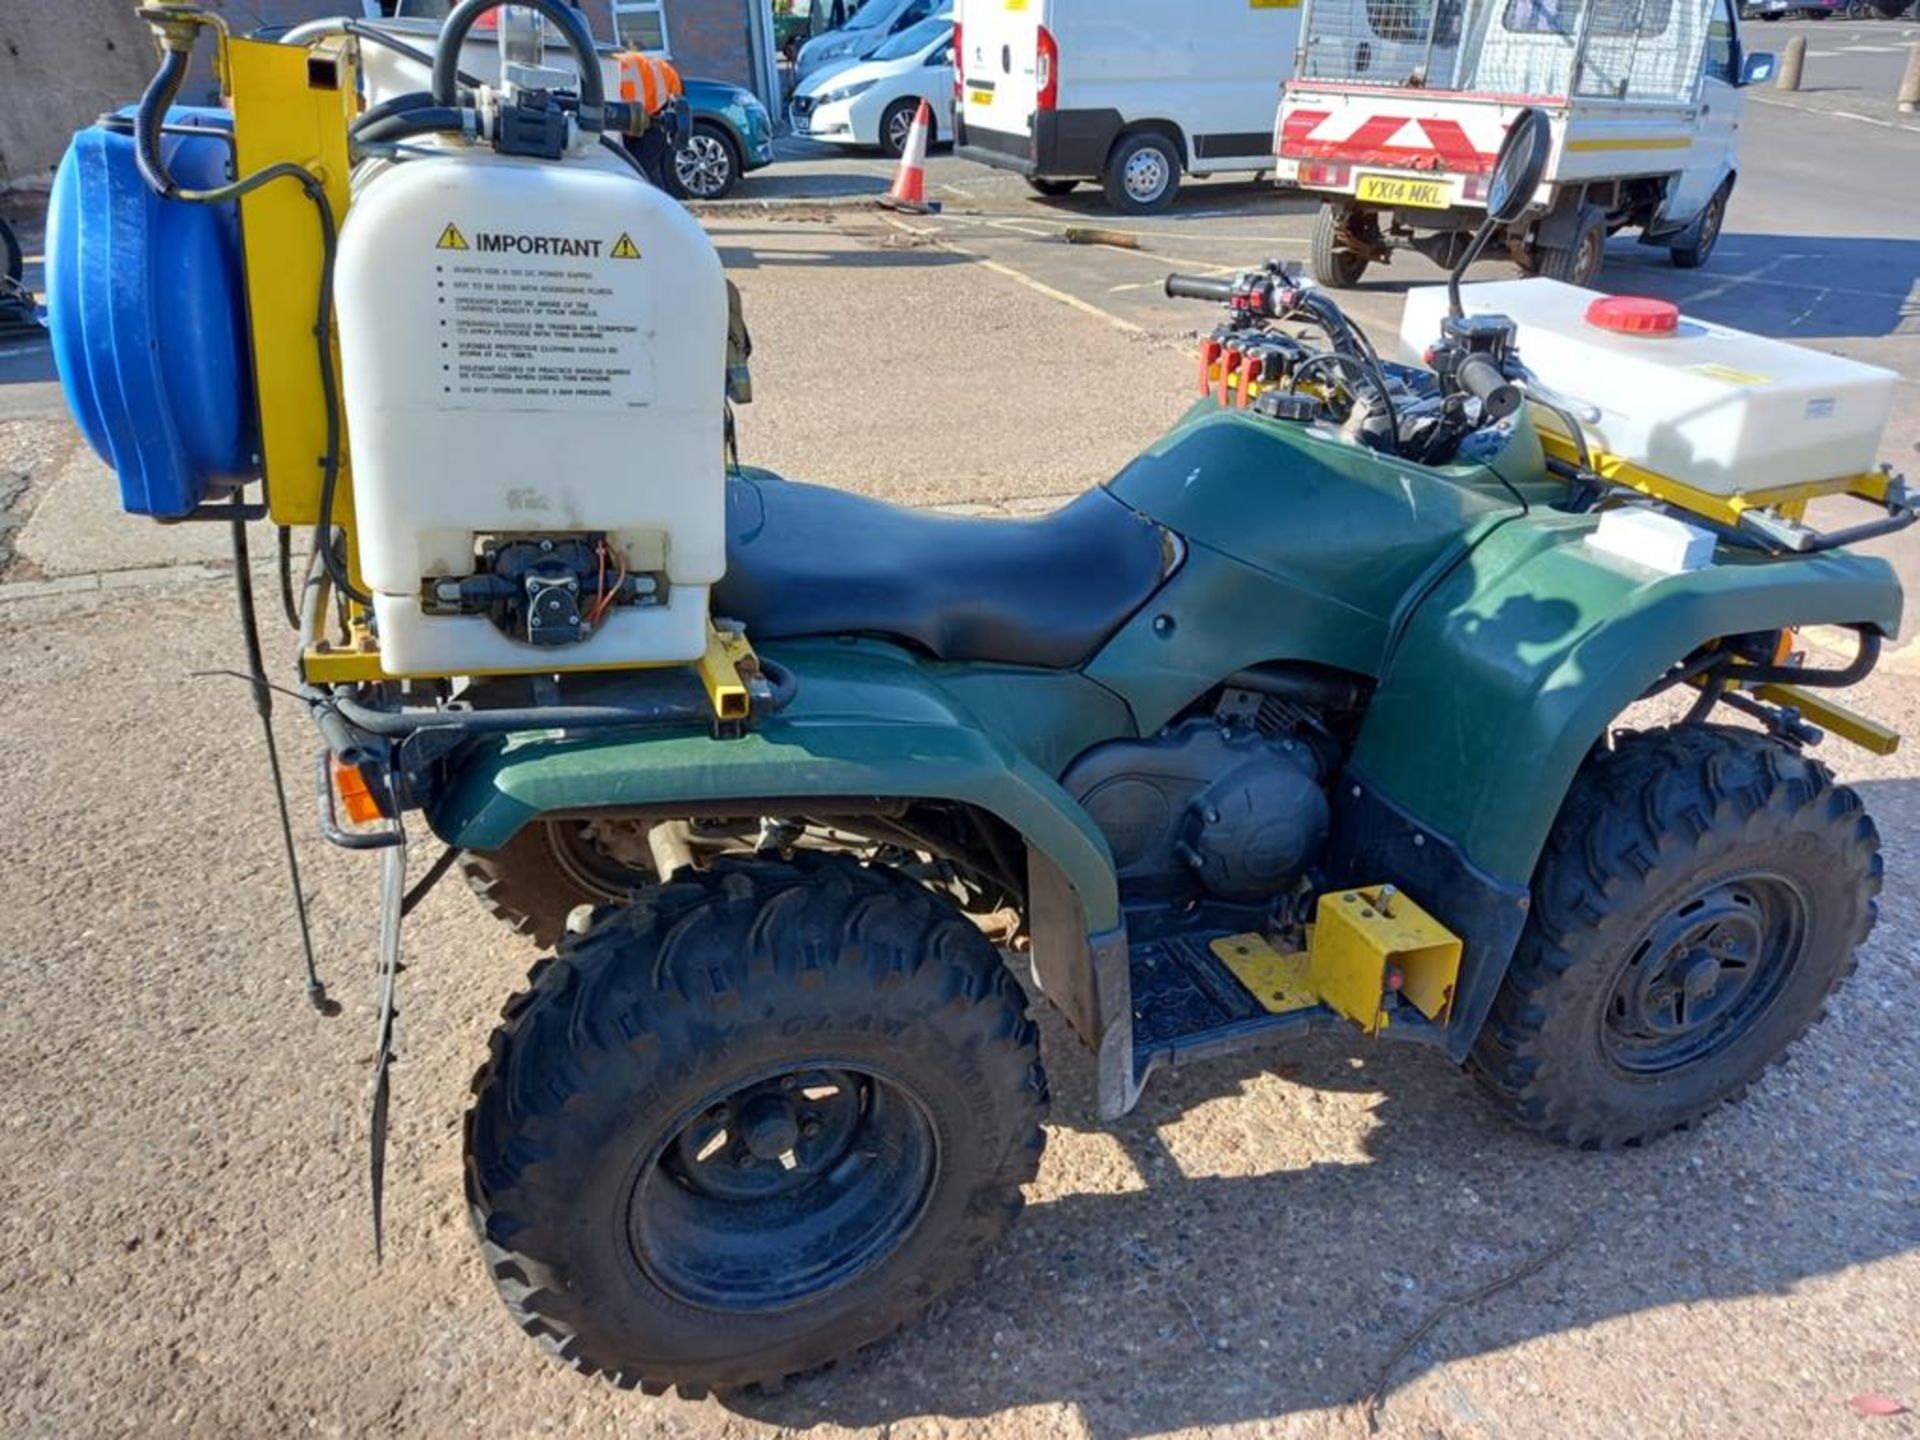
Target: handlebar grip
(1195,287)
(1480,377)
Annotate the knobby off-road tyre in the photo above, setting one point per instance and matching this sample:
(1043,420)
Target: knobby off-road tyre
(1701,897)
(629,1142)
(536,881)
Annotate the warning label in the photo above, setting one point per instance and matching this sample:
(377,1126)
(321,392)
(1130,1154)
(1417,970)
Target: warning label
(553,334)
(624,248)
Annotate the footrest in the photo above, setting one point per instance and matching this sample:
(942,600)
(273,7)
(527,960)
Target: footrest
(1187,1005)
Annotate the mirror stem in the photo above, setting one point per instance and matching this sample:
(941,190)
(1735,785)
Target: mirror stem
(1474,247)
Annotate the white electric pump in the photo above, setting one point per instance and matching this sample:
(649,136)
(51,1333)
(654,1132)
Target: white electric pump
(533,354)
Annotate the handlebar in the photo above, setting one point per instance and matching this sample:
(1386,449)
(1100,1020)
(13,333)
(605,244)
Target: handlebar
(1195,287)
(1480,377)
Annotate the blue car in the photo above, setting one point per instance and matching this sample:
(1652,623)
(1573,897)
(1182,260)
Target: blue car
(732,136)
(732,131)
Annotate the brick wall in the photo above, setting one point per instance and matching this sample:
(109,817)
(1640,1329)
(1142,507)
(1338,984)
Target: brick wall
(62,62)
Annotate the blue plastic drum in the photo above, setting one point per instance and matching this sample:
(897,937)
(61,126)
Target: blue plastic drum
(146,302)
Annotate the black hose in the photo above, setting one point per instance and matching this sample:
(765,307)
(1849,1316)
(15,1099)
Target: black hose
(398,725)
(397,105)
(148,121)
(376,36)
(289,602)
(1306,684)
(422,120)
(570,22)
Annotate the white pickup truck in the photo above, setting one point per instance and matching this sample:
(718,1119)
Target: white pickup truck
(1396,110)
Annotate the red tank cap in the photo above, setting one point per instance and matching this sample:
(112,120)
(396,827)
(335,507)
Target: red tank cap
(1634,315)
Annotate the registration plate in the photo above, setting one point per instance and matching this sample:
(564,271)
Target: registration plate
(1399,190)
(981,97)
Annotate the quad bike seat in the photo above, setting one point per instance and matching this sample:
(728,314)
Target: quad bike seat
(808,560)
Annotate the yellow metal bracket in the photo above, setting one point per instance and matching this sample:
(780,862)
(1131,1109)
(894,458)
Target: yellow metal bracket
(1856,729)
(1365,947)
(291,105)
(723,670)
(1789,500)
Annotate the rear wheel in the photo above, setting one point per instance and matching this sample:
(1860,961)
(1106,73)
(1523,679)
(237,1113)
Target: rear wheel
(550,869)
(1577,262)
(1052,189)
(1143,174)
(751,1124)
(1700,899)
(1333,261)
(1706,234)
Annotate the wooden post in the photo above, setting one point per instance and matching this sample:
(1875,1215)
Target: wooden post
(1909,97)
(1791,64)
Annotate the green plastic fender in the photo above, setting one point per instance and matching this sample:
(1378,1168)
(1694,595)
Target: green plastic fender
(1520,658)
(867,720)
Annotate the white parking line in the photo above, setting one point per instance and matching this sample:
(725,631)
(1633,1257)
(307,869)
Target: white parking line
(1039,287)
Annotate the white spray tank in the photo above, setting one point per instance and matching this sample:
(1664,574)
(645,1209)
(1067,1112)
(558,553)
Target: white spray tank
(1716,408)
(533,354)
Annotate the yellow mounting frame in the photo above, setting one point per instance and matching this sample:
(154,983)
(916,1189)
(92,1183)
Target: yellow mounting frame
(291,105)
(1789,501)
(723,670)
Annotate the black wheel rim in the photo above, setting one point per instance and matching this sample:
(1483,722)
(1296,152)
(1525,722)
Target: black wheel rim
(1710,225)
(781,1190)
(1704,975)
(585,862)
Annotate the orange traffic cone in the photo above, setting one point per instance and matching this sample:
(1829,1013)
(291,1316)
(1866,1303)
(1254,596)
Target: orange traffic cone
(909,191)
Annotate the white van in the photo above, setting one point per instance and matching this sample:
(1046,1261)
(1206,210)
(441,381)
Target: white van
(1131,93)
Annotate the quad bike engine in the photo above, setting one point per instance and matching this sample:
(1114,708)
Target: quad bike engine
(1234,801)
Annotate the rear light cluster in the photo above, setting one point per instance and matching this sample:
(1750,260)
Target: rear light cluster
(959,63)
(1046,70)
(1475,188)
(1331,177)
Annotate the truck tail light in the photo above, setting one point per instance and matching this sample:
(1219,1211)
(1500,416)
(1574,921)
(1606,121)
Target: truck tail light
(1474,188)
(1329,177)
(1046,70)
(959,62)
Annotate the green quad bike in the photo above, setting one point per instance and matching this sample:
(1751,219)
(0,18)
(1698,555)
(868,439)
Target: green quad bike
(1310,717)
(1301,720)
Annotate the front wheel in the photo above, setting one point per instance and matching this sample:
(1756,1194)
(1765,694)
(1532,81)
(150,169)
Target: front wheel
(1701,897)
(896,127)
(751,1124)
(1706,234)
(537,881)
(707,167)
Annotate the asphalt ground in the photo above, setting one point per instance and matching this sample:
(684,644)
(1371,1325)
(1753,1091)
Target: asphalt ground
(181,1140)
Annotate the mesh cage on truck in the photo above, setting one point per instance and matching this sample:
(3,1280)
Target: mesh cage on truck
(1646,50)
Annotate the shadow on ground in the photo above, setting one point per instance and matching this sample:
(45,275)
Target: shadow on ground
(1198,1300)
